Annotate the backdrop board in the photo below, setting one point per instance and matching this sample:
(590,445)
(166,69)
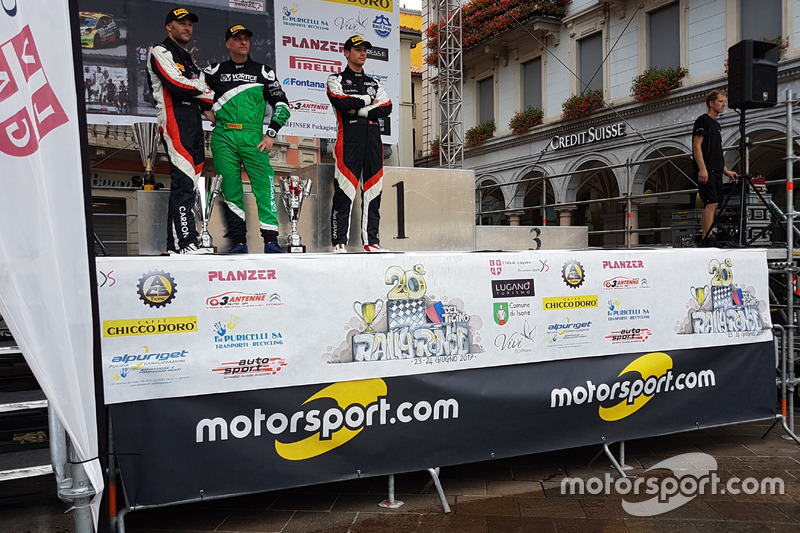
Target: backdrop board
(301,39)
(304,352)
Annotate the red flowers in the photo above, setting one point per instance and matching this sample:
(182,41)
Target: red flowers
(482,19)
(525,120)
(578,106)
(654,82)
(479,134)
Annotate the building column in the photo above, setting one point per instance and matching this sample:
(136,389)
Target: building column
(565,214)
(633,223)
(513,217)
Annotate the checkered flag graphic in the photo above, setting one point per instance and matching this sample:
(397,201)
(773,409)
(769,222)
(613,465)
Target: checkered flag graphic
(404,313)
(721,297)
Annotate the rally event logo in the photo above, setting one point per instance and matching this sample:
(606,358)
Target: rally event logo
(238,299)
(227,336)
(616,311)
(624,282)
(35,110)
(568,334)
(573,274)
(328,419)
(408,324)
(144,364)
(637,384)
(157,288)
(724,306)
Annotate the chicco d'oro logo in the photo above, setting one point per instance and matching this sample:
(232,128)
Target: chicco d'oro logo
(572,273)
(157,288)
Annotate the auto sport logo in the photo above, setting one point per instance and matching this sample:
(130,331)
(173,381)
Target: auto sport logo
(625,336)
(238,300)
(310,106)
(258,366)
(636,385)
(35,111)
(330,418)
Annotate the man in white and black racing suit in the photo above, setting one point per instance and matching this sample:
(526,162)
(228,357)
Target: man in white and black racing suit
(180,94)
(359,101)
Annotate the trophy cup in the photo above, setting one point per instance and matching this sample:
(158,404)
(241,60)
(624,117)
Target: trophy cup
(367,312)
(146,137)
(204,205)
(294,191)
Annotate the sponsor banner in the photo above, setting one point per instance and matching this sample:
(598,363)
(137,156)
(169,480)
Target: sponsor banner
(279,438)
(312,36)
(272,322)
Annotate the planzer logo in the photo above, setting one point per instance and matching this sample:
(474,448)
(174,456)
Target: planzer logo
(617,312)
(512,288)
(623,282)
(157,288)
(495,266)
(651,374)
(241,275)
(573,274)
(500,313)
(322,427)
(225,338)
(238,300)
(258,366)
(626,336)
(626,264)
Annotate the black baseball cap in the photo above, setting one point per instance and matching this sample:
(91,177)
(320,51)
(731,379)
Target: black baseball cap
(234,30)
(356,40)
(180,13)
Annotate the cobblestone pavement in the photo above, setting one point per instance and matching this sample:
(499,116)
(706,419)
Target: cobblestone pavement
(521,494)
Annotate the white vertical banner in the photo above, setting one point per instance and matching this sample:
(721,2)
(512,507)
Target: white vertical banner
(309,39)
(45,293)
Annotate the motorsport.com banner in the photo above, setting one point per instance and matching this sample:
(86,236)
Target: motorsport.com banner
(242,442)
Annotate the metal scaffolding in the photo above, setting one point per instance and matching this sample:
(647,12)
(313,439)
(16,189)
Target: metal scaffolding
(450,83)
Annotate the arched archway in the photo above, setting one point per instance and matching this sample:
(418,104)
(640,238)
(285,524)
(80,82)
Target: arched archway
(489,197)
(596,185)
(534,214)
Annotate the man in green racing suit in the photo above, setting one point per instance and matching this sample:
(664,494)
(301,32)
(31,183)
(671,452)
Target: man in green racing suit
(242,88)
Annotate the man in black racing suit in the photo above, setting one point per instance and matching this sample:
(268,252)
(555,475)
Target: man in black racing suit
(180,94)
(359,101)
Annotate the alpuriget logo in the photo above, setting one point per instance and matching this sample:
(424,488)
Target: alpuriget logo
(693,474)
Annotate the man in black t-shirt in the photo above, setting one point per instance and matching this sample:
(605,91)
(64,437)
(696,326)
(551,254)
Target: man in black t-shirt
(709,160)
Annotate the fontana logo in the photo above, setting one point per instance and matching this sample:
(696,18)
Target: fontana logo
(359,404)
(650,374)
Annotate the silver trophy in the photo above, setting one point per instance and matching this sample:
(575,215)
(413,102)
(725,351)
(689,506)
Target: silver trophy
(146,138)
(204,205)
(294,191)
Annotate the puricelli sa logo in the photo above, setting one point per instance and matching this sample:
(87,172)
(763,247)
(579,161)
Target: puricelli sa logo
(157,288)
(573,274)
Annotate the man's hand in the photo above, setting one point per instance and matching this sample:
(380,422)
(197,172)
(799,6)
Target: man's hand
(210,116)
(266,143)
(731,174)
(702,175)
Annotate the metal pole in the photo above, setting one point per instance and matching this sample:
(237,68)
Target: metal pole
(742,181)
(628,206)
(790,214)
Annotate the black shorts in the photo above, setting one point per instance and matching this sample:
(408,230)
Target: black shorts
(711,191)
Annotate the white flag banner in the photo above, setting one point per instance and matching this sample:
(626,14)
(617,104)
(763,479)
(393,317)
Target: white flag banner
(45,293)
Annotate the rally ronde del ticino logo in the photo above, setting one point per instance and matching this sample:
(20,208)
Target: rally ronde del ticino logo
(157,288)
(572,273)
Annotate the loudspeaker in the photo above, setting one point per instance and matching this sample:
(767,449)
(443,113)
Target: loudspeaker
(752,74)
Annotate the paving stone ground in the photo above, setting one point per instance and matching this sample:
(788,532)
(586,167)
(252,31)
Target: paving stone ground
(516,495)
